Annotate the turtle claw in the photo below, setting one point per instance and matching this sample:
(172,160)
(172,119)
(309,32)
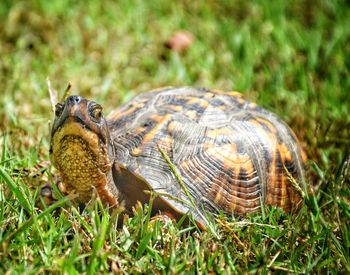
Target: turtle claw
(47,192)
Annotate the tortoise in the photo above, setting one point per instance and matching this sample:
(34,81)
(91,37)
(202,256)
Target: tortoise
(200,150)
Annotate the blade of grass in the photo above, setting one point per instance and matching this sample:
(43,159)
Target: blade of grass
(143,244)
(52,93)
(16,190)
(4,148)
(30,221)
(98,244)
(66,92)
(183,186)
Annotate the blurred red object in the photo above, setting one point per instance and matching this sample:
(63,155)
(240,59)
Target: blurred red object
(180,41)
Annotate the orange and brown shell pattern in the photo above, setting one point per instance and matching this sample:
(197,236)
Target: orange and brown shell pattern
(231,155)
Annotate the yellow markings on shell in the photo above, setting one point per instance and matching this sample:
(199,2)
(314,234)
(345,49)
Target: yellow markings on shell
(286,155)
(277,176)
(272,180)
(160,89)
(171,127)
(176,108)
(195,100)
(204,103)
(259,122)
(218,196)
(253,105)
(224,153)
(293,197)
(223,107)
(225,131)
(161,120)
(192,100)
(166,144)
(231,161)
(254,121)
(209,95)
(165,141)
(118,114)
(267,123)
(229,93)
(240,100)
(139,130)
(303,156)
(192,114)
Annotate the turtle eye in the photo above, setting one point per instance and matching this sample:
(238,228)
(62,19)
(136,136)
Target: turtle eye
(58,109)
(96,112)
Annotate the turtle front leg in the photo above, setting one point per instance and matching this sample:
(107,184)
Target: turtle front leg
(47,192)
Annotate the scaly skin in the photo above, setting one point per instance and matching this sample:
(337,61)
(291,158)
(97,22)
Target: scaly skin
(79,150)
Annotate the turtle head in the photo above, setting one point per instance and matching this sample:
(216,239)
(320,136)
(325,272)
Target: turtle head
(81,148)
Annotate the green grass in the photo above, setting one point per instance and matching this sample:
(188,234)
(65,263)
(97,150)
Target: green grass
(292,57)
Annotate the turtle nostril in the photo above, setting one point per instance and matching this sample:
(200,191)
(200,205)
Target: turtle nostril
(74,99)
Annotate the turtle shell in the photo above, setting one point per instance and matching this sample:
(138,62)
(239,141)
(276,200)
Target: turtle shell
(231,155)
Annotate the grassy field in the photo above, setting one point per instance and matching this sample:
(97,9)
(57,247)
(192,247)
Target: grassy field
(292,57)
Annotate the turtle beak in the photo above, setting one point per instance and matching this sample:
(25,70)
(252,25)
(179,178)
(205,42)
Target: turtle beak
(73,105)
(74,118)
(73,111)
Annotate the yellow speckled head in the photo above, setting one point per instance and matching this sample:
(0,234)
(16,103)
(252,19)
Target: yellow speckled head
(81,149)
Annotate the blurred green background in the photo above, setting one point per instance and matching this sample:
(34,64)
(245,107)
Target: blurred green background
(292,57)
